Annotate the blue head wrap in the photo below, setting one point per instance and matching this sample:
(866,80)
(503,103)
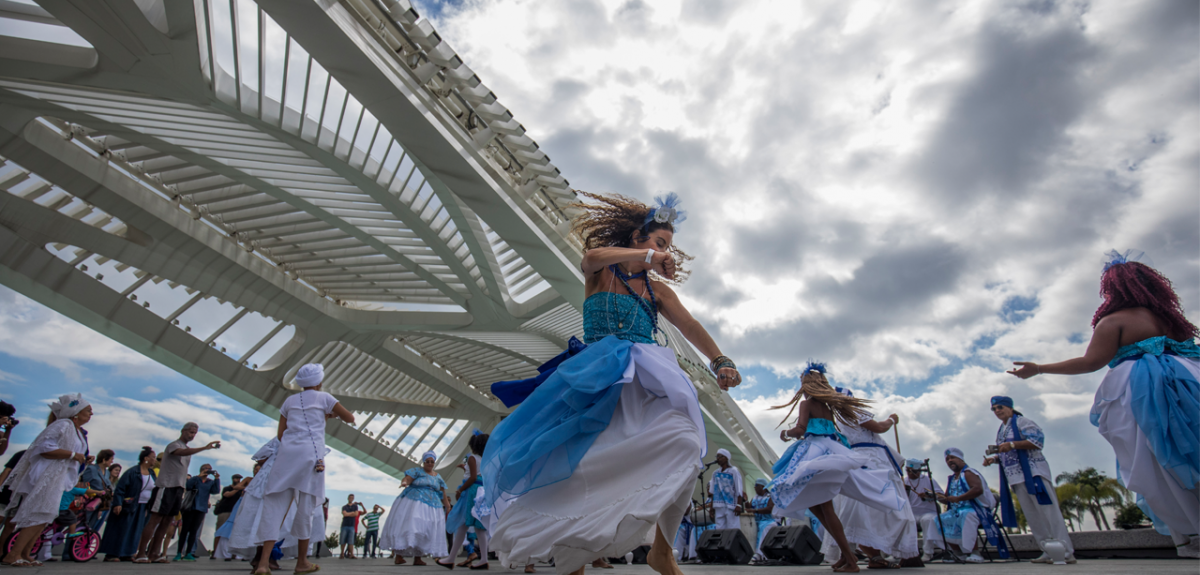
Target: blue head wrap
(913,463)
(666,212)
(1002,400)
(428,455)
(761,482)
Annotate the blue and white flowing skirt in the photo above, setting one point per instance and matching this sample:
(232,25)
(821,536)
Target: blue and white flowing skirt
(892,532)
(414,528)
(1113,413)
(819,468)
(637,470)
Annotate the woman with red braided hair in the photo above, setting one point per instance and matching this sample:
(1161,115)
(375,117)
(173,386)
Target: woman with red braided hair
(1148,406)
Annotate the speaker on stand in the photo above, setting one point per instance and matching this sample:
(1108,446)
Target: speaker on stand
(728,546)
(795,544)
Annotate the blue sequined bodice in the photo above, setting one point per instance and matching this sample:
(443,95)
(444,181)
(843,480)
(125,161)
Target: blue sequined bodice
(1156,346)
(617,314)
(825,427)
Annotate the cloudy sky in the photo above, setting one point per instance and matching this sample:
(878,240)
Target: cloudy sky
(917,193)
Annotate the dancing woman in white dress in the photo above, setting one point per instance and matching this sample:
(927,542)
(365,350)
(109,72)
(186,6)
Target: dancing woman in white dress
(51,465)
(1148,405)
(297,478)
(416,523)
(821,465)
(608,447)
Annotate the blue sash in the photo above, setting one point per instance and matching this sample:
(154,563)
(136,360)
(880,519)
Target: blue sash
(516,391)
(885,450)
(1033,483)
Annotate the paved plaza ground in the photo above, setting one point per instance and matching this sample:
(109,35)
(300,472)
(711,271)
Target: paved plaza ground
(334,566)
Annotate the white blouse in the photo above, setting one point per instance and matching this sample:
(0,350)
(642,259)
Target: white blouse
(302,444)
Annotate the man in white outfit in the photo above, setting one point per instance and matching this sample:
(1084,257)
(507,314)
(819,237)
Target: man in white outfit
(1019,441)
(726,491)
(923,508)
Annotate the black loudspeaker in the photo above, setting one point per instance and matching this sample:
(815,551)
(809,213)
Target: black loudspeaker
(724,546)
(796,544)
(639,555)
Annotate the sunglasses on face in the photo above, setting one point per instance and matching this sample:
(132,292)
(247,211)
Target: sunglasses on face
(998,407)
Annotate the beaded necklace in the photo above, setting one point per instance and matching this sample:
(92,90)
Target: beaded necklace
(650,308)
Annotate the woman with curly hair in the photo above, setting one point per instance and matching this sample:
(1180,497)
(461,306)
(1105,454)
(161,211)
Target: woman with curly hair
(1148,405)
(607,447)
(822,466)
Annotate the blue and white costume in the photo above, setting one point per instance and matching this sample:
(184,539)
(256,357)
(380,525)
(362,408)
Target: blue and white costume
(962,519)
(605,448)
(416,523)
(821,466)
(726,488)
(892,532)
(763,521)
(1148,408)
(1026,473)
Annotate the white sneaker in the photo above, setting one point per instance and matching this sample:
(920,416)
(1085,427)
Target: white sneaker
(973,558)
(926,558)
(1043,558)
(1071,560)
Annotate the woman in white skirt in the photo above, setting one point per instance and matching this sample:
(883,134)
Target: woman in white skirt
(608,446)
(877,533)
(821,465)
(1148,405)
(296,483)
(416,523)
(51,465)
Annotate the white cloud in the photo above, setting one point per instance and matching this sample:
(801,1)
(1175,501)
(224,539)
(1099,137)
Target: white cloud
(150,390)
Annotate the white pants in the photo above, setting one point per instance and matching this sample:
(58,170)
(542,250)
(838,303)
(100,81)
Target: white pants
(931,533)
(1045,521)
(970,532)
(275,509)
(726,518)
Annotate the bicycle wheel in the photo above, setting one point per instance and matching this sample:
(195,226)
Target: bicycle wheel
(85,546)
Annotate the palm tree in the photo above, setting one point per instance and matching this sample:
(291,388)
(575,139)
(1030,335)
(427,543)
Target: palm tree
(1070,504)
(1094,491)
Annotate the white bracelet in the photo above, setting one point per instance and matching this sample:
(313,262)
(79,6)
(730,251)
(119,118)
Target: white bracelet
(72,455)
(649,256)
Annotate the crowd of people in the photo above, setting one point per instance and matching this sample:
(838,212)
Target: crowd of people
(555,481)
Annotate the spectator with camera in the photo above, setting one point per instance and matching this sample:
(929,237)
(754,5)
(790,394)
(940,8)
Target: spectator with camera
(1018,451)
(195,506)
(97,479)
(166,501)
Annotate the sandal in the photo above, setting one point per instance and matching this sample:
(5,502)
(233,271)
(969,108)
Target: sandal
(314,569)
(480,567)
(878,562)
(162,559)
(141,559)
(446,565)
(20,563)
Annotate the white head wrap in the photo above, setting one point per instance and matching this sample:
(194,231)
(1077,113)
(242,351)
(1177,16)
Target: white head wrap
(724,452)
(956,452)
(68,406)
(310,375)
(428,455)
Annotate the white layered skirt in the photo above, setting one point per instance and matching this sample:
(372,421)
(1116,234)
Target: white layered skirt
(1141,472)
(892,532)
(414,528)
(820,469)
(640,472)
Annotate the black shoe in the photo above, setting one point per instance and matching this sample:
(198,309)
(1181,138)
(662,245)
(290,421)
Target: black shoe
(483,567)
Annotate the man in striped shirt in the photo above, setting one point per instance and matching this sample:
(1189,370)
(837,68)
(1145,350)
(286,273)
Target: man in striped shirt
(371,521)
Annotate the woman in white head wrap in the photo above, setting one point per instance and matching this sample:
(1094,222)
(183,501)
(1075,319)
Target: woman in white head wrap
(416,523)
(297,478)
(51,465)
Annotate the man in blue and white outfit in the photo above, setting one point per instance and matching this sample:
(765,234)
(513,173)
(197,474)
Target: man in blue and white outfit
(918,487)
(970,503)
(1025,470)
(727,493)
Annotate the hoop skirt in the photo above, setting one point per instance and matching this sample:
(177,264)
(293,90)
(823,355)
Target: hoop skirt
(607,447)
(1148,408)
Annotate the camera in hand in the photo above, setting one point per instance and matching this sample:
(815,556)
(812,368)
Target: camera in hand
(992,450)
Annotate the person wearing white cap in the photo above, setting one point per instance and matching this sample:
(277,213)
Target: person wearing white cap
(416,524)
(970,503)
(921,491)
(297,479)
(878,533)
(727,492)
(51,466)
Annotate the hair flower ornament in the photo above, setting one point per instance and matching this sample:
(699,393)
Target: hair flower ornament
(814,366)
(1115,258)
(666,211)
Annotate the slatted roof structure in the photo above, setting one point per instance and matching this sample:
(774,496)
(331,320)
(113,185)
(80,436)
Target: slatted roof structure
(236,187)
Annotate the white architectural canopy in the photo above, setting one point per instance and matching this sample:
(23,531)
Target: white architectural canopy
(235,188)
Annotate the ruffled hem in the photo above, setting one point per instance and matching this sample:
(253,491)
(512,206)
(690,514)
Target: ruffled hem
(819,469)
(414,529)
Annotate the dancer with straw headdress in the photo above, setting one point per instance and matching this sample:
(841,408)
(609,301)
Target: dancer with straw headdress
(1148,405)
(821,465)
(607,445)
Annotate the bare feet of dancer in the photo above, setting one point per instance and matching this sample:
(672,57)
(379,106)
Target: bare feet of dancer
(601,563)
(417,562)
(829,520)
(399,560)
(529,568)
(661,558)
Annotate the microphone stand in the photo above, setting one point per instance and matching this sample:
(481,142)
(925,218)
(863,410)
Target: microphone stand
(938,509)
(705,512)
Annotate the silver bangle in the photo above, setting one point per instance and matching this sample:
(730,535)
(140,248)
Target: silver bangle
(649,256)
